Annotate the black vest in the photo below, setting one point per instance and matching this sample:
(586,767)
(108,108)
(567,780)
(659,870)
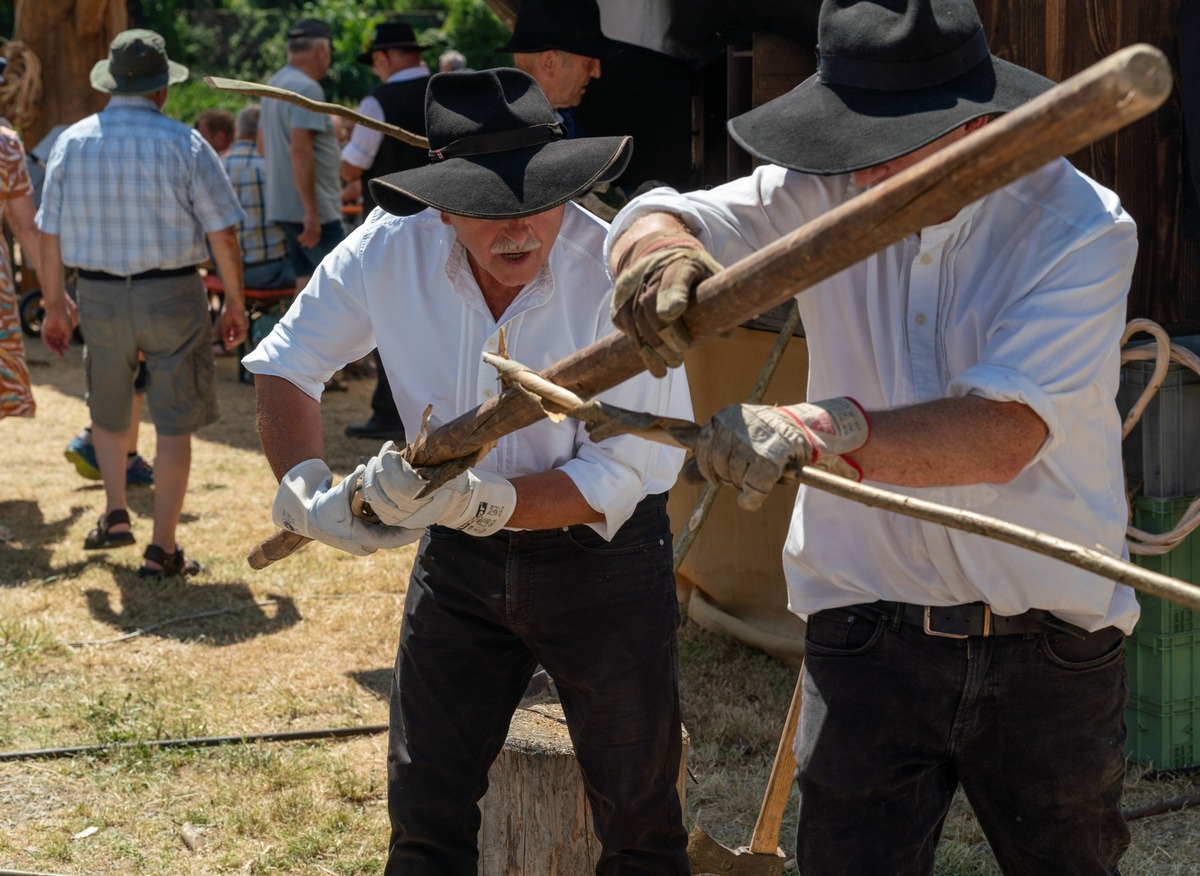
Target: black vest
(404,106)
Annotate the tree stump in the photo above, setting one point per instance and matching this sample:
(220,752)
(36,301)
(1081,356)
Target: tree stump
(536,818)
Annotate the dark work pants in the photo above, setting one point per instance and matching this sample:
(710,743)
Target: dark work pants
(601,618)
(893,720)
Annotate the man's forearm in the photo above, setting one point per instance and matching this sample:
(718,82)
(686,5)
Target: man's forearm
(227,253)
(52,277)
(550,500)
(289,424)
(951,442)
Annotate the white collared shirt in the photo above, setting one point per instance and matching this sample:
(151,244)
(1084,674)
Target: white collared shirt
(404,284)
(1019,297)
(364,142)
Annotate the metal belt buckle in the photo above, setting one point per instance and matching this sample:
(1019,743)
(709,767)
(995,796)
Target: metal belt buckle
(987,625)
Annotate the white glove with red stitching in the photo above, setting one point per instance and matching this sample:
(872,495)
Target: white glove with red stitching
(750,446)
(474,502)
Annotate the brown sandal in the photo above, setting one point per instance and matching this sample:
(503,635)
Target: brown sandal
(172,564)
(101,539)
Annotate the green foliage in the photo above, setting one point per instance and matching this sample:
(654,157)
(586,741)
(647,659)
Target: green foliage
(473,29)
(246,39)
(187,100)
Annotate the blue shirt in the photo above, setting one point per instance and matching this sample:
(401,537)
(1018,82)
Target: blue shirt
(261,239)
(129,190)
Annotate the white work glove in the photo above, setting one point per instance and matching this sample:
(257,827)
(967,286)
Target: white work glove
(750,446)
(474,502)
(306,503)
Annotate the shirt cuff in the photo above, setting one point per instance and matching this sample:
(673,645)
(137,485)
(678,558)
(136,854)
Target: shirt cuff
(351,154)
(605,491)
(997,383)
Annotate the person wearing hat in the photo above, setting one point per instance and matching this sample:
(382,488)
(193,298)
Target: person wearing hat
(552,548)
(975,364)
(394,55)
(559,43)
(136,201)
(304,192)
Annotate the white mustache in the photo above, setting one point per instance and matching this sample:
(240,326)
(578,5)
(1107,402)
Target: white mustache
(505,246)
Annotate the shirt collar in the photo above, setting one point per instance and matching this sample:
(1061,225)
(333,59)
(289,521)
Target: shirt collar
(408,73)
(132,101)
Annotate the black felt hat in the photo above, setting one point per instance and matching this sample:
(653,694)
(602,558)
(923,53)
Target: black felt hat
(497,151)
(892,76)
(390,35)
(568,25)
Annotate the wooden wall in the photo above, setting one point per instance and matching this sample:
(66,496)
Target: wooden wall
(1143,162)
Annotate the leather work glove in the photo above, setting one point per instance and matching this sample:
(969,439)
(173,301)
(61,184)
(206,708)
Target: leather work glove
(750,446)
(655,279)
(474,502)
(308,504)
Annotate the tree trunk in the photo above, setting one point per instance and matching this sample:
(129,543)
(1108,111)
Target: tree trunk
(69,37)
(536,819)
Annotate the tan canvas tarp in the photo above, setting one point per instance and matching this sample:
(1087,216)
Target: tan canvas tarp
(732,579)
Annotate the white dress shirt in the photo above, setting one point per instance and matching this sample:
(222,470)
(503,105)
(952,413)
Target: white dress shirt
(364,142)
(1019,297)
(404,284)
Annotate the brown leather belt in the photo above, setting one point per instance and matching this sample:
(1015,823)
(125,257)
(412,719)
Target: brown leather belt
(975,619)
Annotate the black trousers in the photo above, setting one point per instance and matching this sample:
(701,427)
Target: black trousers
(894,720)
(480,614)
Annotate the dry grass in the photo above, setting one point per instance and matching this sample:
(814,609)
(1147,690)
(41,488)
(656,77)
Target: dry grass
(305,644)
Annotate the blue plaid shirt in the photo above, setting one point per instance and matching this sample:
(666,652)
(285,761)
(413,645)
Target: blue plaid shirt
(129,190)
(261,239)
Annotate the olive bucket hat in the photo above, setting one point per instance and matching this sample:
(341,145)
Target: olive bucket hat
(892,76)
(497,151)
(136,64)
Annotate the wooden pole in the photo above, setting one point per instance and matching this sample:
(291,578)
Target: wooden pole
(1098,101)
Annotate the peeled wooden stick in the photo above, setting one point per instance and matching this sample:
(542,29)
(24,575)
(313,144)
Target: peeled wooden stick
(254,89)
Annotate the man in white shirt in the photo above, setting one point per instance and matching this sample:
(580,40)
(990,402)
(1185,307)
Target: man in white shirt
(551,549)
(975,364)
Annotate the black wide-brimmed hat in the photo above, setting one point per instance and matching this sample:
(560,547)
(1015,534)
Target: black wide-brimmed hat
(892,76)
(497,151)
(390,35)
(136,64)
(568,25)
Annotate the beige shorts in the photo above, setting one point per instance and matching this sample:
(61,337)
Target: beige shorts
(167,319)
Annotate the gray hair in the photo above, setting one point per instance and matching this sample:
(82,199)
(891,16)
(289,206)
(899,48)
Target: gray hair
(452,59)
(246,125)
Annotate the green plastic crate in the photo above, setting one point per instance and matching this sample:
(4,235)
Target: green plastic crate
(1163,654)
(1164,670)
(1161,617)
(1163,736)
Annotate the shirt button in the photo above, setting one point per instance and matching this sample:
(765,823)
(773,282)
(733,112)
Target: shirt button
(925,259)
(919,319)
(487,393)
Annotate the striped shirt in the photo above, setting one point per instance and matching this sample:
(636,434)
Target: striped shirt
(129,190)
(261,239)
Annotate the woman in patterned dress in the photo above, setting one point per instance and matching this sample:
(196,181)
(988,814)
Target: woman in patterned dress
(17,210)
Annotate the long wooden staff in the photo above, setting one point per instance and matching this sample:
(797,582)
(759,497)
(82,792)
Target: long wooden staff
(254,89)
(1105,97)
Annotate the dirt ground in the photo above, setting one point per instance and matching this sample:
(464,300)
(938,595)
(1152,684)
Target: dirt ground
(91,655)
